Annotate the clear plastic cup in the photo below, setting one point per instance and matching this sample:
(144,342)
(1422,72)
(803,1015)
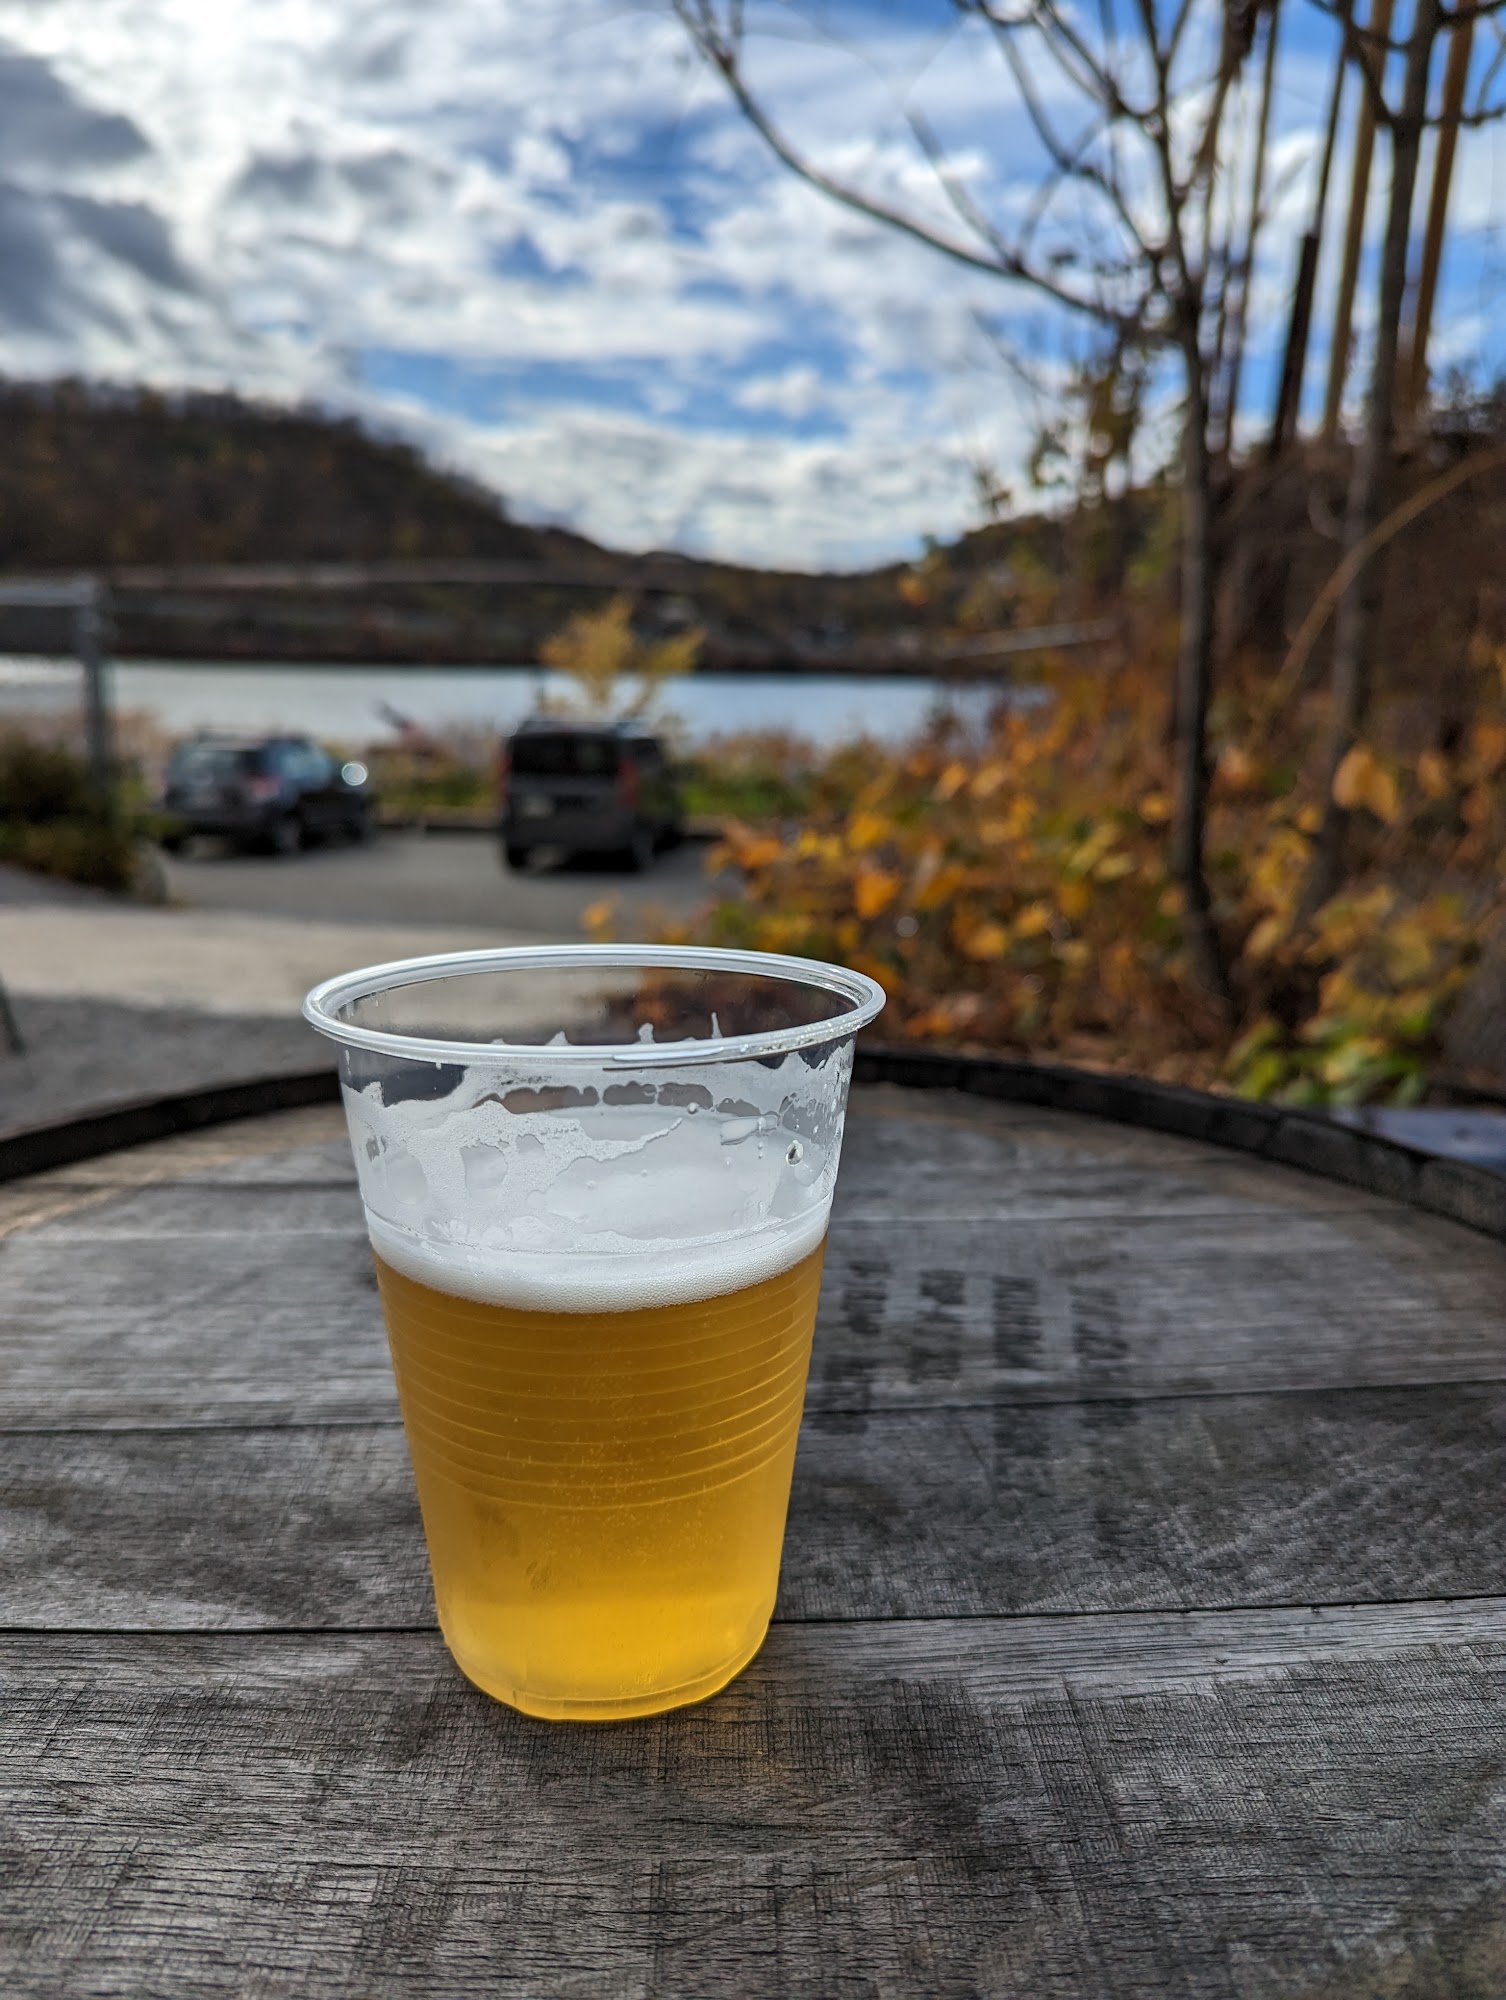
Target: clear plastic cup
(597,1182)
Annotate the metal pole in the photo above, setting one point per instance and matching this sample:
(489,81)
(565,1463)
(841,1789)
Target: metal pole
(10,1027)
(89,644)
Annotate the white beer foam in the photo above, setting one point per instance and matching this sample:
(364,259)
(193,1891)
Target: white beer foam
(620,1282)
(596,1203)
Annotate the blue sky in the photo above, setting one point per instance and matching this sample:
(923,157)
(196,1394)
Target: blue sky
(536,239)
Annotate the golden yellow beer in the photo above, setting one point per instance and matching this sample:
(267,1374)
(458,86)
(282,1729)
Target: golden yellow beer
(603,1493)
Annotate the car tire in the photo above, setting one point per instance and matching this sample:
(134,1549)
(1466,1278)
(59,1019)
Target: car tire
(359,830)
(517,856)
(285,834)
(638,855)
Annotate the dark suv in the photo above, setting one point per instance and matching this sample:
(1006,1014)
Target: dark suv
(587,789)
(275,792)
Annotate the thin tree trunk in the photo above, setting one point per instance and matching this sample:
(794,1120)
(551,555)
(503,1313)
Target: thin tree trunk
(1354,233)
(1234,366)
(1294,361)
(1354,639)
(1195,681)
(1454,81)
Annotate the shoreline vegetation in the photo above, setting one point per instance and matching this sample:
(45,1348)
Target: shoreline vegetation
(1009,886)
(1013,886)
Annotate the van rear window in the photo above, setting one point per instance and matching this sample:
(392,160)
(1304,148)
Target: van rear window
(564,756)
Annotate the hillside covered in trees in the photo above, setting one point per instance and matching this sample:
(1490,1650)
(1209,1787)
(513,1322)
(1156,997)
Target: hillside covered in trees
(111,479)
(92,477)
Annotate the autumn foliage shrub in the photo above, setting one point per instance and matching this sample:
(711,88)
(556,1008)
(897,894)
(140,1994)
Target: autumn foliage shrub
(1013,893)
(53,823)
(757,774)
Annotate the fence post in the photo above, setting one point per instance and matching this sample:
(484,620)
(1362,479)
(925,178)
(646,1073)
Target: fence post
(89,636)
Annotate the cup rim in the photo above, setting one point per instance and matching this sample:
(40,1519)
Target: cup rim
(866,996)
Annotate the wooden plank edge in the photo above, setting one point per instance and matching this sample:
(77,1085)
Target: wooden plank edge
(111,1128)
(1001,1659)
(1457,1189)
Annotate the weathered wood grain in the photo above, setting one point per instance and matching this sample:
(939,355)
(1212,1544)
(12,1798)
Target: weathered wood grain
(203,1529)
(1300,1138)
(1062,1368)
(1233,1809)
(259,1144)
(956,1310)
(942,1153)
(173,1304)
(308,1145)
(269,1324)
(1069,1508)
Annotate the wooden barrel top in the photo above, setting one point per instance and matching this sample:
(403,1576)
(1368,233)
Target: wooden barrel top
(1140,1632)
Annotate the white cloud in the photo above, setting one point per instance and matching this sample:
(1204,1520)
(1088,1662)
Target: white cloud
(539,240)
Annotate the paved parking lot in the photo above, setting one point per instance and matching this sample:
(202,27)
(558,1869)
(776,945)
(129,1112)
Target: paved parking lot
(118,1000)
(437,878)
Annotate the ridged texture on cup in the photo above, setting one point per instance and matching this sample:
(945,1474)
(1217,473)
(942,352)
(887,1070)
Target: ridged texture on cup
(604,1493)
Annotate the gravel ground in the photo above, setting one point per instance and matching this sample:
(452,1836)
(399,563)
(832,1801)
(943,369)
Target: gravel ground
(81,1054)
(19,890)
(85,1052)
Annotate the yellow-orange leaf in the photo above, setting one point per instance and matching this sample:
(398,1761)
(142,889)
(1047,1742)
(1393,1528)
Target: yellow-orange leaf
(1382,795)
(866,829)
(989,779)
(1487,740)
(1155,808)
(873,890)
(989,940)
(758,852)
(1361,781)
(1033,921)
(951,781)
(1074,898)
(1432,774)
(941,887)
(1349,779)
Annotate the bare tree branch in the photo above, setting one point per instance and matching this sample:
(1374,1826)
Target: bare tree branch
(1069,162)
(1160,265)
(1492,71)
(996,258)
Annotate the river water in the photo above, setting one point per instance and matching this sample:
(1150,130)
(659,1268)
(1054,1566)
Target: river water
(354,705)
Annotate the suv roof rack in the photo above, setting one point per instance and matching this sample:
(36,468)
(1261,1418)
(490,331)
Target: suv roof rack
(567,725)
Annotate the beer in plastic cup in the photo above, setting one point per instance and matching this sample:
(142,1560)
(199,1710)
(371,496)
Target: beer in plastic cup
(597,1181)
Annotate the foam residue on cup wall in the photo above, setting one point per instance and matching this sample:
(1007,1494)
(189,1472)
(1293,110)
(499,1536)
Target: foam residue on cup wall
(594,1191)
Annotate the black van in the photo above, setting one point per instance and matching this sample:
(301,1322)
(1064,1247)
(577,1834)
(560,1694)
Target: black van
(587,788)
